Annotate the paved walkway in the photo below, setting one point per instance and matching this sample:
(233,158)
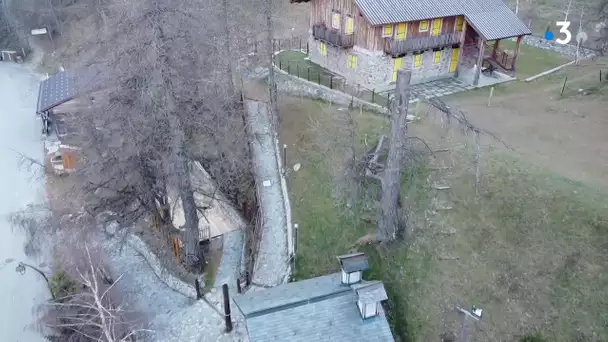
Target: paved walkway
(172,316)
(231,265)
(271,266)
(442,87)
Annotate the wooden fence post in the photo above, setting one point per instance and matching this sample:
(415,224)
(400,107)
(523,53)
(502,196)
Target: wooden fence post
(288,67)
(308,74)
(227,308)
(319,77)
(564,86)
(600,76)
(373,94)
(298,69)
(331,81)
(238,285)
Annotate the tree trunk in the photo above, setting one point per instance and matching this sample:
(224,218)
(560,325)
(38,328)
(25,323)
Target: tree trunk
(228,55)
(272,85)
(388,224)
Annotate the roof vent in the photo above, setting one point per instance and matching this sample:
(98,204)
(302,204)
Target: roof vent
(369,297)
(352,266)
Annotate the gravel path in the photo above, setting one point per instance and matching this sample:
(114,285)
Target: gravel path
(272,262)
(231,264)
(172,316)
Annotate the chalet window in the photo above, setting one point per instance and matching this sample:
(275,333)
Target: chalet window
(437,57)
(350,25)
(352,61)
(322,49)
(335,20)
(423,26)
(401,31)
(459,23)
(417,61)
(387,31)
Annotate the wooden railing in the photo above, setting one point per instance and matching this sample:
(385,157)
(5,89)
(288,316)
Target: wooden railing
(398,48)
(333,37)
(499,56)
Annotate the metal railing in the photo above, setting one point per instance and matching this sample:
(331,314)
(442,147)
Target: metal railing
(397,48)
(333,37)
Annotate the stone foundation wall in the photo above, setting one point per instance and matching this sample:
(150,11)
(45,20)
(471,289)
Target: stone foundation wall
(375,70)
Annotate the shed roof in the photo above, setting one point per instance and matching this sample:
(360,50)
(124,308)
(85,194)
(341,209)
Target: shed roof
(318,309)
(492,19)
(353,262)
(66,85)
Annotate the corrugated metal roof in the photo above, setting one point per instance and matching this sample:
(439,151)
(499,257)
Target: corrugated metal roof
(492,19)
(55,90)
(65,85)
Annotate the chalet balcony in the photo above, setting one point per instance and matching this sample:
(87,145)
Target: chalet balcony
(396,48)
(333,37)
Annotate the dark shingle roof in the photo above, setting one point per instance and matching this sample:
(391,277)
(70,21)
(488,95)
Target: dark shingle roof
(260,302)
(66,85)
(353,262)
(318,309)
(492,19)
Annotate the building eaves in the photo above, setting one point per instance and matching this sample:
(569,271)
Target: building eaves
(492,19)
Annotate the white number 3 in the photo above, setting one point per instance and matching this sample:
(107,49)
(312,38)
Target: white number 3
(564,29)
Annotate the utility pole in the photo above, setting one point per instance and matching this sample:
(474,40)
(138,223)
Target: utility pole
(473,314)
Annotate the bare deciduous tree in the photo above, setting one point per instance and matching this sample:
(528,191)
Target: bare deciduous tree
(388,223)
(88,306)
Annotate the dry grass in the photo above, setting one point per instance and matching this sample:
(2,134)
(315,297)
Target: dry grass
(530,245)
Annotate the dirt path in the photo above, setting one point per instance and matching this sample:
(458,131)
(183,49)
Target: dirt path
(566,135)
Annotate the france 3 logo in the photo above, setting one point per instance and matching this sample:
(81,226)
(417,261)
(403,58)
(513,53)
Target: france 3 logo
(564,30)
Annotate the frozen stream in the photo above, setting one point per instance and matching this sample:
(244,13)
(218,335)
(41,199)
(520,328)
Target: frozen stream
(19,131)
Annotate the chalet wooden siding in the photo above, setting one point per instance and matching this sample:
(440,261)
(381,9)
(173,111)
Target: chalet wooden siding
(322,11)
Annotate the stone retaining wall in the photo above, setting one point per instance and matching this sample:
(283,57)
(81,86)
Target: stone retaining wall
(296,86)
(568,50)
(172,282)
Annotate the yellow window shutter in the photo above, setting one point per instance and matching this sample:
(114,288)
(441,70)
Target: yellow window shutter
(459,23)
(322,49)
(350,25)
(423,26)
(417,60)
(387,31)
(335,21)
(398,64)
(454,60)
(352,61)
(436,57)
(436,30)
(401,31)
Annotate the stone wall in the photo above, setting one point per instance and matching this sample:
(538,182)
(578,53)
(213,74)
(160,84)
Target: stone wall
(568,50)
(296,86)
(375,70)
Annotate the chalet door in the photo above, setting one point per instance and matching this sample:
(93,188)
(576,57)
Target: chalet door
(398,65)
(436,28)
(454,59)
(401,31)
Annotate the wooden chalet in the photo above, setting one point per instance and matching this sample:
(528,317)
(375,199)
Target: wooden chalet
(367,41)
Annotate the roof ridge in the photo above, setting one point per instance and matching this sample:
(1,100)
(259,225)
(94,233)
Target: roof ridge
(340,291)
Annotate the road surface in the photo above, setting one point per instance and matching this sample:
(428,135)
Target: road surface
(19,130)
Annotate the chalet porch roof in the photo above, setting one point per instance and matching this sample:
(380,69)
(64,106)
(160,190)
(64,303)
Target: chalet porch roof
(492,19)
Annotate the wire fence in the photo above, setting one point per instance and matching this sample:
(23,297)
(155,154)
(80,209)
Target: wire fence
(291,56)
